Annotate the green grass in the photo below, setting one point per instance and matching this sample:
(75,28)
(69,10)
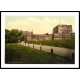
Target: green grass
(58,43)
(18,54)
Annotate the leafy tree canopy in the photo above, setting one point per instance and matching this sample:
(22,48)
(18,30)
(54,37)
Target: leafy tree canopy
(12,36)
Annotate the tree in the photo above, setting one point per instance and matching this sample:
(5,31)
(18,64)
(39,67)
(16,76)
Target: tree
(47,33)
(7,36)
(12,36)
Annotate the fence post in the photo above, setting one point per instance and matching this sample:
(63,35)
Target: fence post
(73,57)
(40,48)
(28,44)
(33,45)
(22,43)
(52,51)
(25,44)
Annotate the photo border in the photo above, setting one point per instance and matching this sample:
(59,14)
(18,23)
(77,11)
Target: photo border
(40,11)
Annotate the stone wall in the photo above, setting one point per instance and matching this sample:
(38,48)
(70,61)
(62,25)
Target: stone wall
(59,32)
(36,37)
(63,32)
(41,37)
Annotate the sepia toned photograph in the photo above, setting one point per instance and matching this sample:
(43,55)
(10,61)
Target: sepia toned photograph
(39,38)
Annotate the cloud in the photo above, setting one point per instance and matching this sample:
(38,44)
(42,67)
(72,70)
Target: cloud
(38,25)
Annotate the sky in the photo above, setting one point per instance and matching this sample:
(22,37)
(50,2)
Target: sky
(38,24)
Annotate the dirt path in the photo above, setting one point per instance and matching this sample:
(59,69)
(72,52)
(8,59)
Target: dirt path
(56,50)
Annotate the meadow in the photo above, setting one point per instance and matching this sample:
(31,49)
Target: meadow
(18,54)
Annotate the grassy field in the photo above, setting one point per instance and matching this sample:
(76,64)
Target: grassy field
(18,54)
(57,43)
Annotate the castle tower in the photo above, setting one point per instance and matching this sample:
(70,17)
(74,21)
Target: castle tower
(62,31)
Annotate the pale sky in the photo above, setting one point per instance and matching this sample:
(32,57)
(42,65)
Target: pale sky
(39,24)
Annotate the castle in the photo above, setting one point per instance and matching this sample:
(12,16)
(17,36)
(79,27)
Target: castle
(36,37)
(59,32)
(63,32)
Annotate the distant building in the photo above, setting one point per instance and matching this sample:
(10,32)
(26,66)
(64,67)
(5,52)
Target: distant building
(63,32)
(36,37)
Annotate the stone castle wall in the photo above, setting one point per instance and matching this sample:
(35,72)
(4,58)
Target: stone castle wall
(59,32)
(36,37)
